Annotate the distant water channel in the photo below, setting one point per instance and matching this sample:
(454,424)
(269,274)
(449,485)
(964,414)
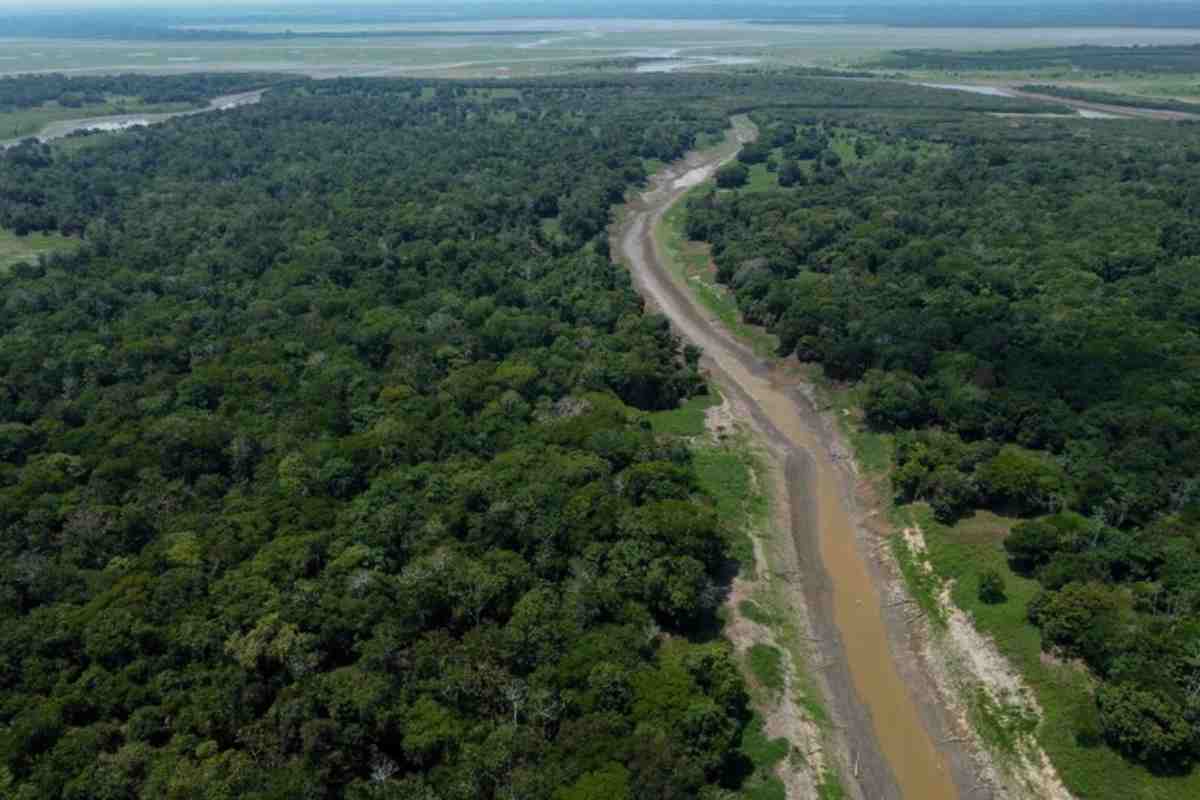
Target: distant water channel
(991,91)
(676,64)
(120,122)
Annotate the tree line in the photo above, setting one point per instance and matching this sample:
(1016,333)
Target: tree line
(30,91)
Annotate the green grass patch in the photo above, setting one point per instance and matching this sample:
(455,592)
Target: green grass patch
(765,753)
(1001,724)
(813,708)
(761,179)
(962,553)
(766,787)
(830,787)
(923,584)
(1090,769)
(766,664)
(755,613)
(688,419)
(15,249)
(727,475)
(762,751)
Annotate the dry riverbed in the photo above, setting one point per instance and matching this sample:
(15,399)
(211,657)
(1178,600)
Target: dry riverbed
(896,726)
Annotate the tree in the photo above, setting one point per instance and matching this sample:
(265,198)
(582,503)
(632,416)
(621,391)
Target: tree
(792,174)
(607,783)
(731,176)
(1081,619)
(1145,726)
(1020,480)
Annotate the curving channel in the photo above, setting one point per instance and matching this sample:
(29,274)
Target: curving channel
(891,751)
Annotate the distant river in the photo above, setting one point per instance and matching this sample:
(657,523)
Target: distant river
(120,122)
(991,91)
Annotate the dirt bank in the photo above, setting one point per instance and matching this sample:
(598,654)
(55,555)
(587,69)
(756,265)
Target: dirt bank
(894,737)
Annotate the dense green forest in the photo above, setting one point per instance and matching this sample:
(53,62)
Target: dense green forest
(1143,59)
(320,470)
(323,471)
(31,91)
(1020,304)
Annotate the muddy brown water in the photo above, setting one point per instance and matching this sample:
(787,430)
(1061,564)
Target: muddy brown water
(892,754)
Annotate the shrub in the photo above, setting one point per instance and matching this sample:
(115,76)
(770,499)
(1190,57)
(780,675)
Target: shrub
(991,587)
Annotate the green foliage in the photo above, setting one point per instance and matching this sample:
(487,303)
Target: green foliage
(830,786)
(1001,723)
(1145,725)
(991,587)
(1114,99)
(732,176)
(688,419)
(608,783)
(1138,58)
(338,482)
(1070,727)
(763,752)
(924,584)
(755,613)
(1017,354)
(766,664)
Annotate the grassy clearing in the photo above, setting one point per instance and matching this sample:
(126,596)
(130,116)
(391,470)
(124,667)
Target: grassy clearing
(688,419)
(761,179)
(830,787)
(727,474)
(15,249)
(756,613)
(766,664)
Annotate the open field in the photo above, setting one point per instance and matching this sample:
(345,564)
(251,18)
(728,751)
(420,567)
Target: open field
(541,46)
(15,249)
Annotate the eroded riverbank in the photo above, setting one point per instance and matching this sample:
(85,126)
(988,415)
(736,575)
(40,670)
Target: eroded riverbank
(886,714)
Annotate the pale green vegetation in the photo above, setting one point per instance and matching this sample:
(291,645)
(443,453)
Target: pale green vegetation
(15,249)
(688,419)
(764,753)
(766,664)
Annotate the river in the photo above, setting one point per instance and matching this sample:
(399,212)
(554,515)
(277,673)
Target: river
(57,130)
(888,712)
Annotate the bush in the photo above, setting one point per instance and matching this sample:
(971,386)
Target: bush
(991,587)
(731,176)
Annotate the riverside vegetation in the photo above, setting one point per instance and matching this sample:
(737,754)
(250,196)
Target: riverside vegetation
(1013,305)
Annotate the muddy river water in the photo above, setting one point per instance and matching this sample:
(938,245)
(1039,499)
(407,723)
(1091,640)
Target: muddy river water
(892,751)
